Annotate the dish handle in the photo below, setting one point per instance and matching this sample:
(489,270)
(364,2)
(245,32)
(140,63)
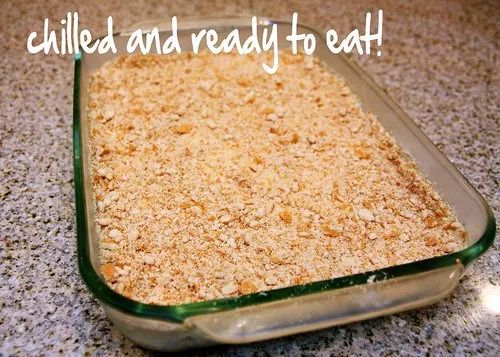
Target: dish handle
(330,308)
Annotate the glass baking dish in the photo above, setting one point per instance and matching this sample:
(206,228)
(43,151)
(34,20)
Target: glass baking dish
(294,309)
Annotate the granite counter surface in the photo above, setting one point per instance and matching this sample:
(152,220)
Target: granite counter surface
(439,62)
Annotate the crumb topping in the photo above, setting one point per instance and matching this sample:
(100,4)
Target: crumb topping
(214,179)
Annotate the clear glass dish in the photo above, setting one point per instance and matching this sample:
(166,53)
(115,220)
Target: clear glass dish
(294,309)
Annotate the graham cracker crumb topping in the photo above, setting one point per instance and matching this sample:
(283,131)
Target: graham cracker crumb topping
(214,179)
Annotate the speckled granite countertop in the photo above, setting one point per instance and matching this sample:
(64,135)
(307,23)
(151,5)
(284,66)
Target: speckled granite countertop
(440,62)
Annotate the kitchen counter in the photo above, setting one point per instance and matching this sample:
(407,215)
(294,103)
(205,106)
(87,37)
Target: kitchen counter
(439,62)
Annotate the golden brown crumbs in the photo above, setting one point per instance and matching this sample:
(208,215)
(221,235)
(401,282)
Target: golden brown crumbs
(213,179)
